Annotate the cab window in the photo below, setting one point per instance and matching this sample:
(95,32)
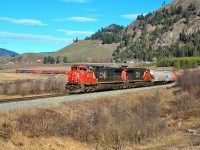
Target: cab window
(84,69)
(74,68)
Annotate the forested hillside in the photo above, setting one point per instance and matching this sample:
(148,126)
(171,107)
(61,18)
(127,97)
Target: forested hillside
(107,35)
(172,31)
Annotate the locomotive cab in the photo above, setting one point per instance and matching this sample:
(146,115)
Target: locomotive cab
(81,74)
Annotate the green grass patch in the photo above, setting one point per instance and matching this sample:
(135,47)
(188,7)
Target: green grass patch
(180,63)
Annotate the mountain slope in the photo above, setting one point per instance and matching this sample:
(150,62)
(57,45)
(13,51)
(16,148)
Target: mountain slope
(108,34)
(171,31)
(7,53)
(31,57)
(87,50)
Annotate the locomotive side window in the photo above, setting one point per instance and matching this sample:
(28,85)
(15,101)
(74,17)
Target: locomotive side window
(137,74)
(90,69)
(84,69)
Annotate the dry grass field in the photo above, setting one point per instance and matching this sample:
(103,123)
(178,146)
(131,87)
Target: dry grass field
(18,76)
(15,85)
(126,122)
(12,68)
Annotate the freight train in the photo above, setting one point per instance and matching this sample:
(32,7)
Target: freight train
(43,71)
(86,78)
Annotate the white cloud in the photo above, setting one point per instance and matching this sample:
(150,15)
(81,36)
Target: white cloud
(78,19)
(131,16)
(42,39)
(23,21)
(77,1)
(76,33)
(83,19)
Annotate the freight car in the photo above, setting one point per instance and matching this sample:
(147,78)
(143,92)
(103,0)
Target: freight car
(43,71)
(84,78)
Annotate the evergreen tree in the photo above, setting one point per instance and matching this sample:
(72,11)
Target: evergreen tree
(58,60)
(45,60)
(192,7)
(65,59)
(179,10)
(52,61)
(48,59)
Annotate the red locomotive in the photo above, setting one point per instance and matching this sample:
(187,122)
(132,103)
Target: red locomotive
(84,78)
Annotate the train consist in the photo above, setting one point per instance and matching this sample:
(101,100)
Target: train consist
(43,71)
(84,78)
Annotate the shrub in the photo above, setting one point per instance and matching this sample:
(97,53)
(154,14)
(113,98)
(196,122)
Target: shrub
(18,86)
(54,85)
(6,87)
(183,103)
(43,122)
(189,81)
(35,87)
(119,123)
(6,131)
(110,123)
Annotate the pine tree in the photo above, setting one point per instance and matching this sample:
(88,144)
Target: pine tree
(65,59)
(45,60)
(58,60)
(48,59)
(52,61)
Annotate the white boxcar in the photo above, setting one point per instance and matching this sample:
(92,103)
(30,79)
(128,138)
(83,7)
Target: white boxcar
(161,75)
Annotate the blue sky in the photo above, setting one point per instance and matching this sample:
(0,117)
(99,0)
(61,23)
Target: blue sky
(49,25)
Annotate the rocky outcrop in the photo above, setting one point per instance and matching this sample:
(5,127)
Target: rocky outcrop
(170,36)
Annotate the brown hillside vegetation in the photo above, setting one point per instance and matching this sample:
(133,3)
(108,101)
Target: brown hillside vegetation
(32,57)
(168,37)
(24,58)
(185,3)
(134,121)
(92,51)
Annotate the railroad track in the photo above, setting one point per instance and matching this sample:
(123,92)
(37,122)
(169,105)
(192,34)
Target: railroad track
(56,99)
(29,98)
